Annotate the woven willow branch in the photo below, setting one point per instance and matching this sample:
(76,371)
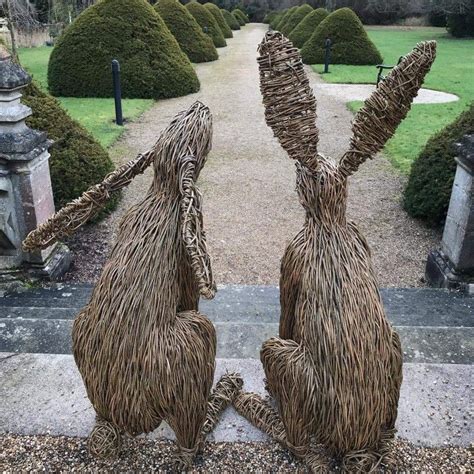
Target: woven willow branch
(290,105)
(388,105)
(336,368)
(75,214)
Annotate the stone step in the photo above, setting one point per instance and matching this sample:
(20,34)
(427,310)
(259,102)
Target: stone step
(448,345)
(43,393)
(248,303)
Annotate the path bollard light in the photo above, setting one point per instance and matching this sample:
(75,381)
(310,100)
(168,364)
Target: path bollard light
(117,92)
(327,54)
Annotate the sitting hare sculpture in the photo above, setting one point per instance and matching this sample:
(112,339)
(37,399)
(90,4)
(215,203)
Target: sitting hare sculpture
(144,351)
(336,368)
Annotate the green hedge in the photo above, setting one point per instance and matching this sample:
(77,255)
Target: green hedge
(307,26)
(350,42)
(217,14)
(193,41)
(285,18)
(240,17)
(230,19)
(269,17)
(77,160)
(207,22)
(151,61)
(295,19)
(243,13)
(428,190)
(278,17)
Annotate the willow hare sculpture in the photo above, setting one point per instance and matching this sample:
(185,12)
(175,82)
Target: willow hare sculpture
(336,368)
(144,351)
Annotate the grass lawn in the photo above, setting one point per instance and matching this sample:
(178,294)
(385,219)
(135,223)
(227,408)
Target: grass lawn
(452,71)
(96,115)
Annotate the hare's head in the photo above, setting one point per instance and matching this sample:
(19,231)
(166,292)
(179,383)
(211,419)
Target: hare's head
(322,192)
(290,111)
(180,154)
(184,144)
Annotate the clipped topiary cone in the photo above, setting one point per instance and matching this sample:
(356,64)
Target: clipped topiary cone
(238,15)
(193,41)
(350,42)
(217,14)
(276,20)
(306,27)
(77,160)
(286,17)
(131,31)
(230,19)
(295,19)
(207,22)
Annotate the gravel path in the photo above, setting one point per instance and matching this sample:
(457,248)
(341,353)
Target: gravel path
(62,454)
(251,209)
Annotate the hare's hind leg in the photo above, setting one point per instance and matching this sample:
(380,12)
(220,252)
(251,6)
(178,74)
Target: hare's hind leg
(105,439)
(292,380)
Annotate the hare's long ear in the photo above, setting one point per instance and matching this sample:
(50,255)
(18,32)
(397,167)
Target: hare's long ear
(72,216)
(290,105)
(192,228)
(388,105)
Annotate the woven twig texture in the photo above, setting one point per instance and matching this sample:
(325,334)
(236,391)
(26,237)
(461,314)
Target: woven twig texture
(336,368)
(144,351)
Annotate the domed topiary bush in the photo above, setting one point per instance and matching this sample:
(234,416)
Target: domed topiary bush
(243,13)
(269,17)
(151,61)
(193,41)
(295,19)
(239,16)
(230,19)
(278,17)
(428,190)
(306,27)
(217,14)
(350,43)
(286,17)
(77,160)
(207,22)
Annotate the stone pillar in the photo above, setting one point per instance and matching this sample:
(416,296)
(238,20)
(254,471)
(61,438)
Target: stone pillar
(26,198)
(453,265)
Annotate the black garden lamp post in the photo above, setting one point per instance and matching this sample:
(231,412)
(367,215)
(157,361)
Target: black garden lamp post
(117,92)
(327,54)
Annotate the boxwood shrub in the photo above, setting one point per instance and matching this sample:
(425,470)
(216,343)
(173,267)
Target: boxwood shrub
(428,190)
(307,26)
(238,14)
(350,42)
(207,22)
(295,19)
(77,160)
(285,18)
(151,61)
(193,41)
(217,14)
(230,19)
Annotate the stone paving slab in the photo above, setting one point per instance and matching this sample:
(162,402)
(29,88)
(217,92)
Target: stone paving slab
(255,303)
(43,393)
(236,340)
